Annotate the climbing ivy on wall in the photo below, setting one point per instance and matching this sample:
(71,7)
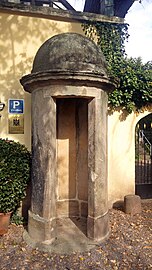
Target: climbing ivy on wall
(134,89)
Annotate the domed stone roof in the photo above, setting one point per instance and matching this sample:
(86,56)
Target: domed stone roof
(70,52)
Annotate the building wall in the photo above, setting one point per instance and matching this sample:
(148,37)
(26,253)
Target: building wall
(20,39)
(121,153)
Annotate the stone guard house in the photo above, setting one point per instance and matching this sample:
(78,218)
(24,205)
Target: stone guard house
(23,29)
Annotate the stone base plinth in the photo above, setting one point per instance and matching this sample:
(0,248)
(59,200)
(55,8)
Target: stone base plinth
(132,204)
(40,229)
(70,237)
(98,228)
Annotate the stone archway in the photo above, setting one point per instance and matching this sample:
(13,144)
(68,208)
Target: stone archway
(69,87)
(143,157)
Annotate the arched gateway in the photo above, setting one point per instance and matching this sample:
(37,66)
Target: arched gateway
(69,87)
(143,157)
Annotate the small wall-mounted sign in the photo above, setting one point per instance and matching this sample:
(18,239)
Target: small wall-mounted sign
(16,106)
(16,124)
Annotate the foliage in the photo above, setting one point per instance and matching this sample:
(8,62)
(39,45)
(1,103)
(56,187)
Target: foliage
(135,87)
(17,219)
(111,39)
(135,78)
(14,174)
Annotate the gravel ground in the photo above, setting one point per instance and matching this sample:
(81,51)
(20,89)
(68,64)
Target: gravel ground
(128,247)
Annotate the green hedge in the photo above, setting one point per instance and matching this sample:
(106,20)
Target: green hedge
(15,163)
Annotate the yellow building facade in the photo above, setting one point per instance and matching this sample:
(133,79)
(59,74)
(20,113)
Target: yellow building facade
(21,37)
(121,153)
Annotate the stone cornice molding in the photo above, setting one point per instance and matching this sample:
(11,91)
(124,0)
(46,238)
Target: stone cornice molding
(55,14)
(33,81)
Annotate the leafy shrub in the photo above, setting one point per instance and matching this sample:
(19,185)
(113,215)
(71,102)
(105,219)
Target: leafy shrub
(17,219)
(135,87)
(134,90)
(15,162)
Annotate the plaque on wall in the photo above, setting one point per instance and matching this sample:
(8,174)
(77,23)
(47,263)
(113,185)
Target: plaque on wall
(16,124)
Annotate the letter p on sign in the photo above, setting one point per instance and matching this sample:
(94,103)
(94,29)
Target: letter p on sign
(16,103)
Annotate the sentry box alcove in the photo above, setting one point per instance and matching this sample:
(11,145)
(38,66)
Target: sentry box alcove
(69,87)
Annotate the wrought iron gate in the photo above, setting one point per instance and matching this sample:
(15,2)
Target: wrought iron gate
(143,162)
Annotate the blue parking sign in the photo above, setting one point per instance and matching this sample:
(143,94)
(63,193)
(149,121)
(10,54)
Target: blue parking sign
(16,106)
